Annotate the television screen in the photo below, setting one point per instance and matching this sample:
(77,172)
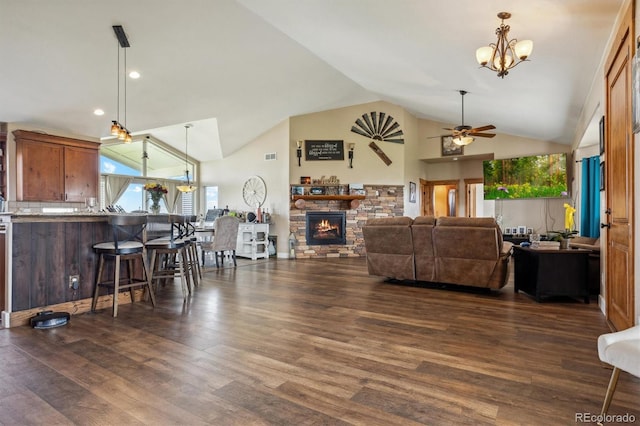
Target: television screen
(538,176)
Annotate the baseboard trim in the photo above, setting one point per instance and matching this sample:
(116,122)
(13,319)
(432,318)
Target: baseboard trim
(20,318)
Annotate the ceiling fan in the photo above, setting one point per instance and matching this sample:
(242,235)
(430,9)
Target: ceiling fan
(463,135)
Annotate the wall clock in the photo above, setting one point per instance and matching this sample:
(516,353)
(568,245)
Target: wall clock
(379,127)
(449,147)
(254,191)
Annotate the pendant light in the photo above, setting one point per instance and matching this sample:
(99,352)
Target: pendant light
(504,54)
(187,187)
(117,129)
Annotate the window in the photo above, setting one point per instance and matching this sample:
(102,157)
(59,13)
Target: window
(211,197)
(145,160)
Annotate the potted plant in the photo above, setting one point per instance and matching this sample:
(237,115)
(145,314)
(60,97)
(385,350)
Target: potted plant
(563,237)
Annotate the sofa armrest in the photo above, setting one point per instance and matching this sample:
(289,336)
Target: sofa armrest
(507,249)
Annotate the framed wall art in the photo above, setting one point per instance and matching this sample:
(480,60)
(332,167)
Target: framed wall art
(412,192)
(449,148)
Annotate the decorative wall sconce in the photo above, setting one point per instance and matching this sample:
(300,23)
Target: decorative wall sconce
(299,151)
(351,147)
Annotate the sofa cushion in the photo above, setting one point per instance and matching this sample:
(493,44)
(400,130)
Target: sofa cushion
(422,231)
(389,247)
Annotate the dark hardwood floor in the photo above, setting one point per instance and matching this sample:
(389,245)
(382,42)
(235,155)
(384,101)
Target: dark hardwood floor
(310,342)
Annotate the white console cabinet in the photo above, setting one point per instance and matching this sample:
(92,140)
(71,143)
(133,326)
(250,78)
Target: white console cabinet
(253,241)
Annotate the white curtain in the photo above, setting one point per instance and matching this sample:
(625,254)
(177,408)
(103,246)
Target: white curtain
(115,185)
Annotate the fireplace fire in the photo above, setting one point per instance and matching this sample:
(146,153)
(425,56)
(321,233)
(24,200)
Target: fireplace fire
(325,228)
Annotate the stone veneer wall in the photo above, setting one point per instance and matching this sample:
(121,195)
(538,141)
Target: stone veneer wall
(380,201)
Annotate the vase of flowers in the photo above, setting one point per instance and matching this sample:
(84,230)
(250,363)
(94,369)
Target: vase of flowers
(156,192)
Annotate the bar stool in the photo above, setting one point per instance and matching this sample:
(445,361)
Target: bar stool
(127,244)
(169,256)
(189,235)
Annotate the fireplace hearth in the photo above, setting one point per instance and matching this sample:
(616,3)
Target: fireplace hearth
(324,228)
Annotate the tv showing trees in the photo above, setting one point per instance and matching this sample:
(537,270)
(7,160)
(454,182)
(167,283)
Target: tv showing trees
(539,176)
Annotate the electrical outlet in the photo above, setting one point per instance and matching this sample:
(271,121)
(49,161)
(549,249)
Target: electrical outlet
(74,281)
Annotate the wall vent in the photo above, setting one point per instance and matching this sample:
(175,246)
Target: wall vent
(269,156)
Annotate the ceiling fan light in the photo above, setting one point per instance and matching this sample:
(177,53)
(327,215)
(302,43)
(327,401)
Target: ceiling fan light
(523,49)
(463,140)
(483,55)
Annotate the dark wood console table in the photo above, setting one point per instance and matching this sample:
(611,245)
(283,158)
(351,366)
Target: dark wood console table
(546,273)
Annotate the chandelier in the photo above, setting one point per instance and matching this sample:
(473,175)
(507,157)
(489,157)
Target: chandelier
(187,186)
(117,129)
(505,54)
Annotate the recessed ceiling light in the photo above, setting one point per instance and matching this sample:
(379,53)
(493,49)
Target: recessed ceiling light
(134,74)
(98,111)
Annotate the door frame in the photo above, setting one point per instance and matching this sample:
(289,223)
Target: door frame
(426,188)
(468,197)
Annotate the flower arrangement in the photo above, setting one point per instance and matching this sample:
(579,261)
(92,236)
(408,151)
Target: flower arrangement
(156,191)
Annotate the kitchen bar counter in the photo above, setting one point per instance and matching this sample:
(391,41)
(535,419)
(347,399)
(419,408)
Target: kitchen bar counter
(42,251)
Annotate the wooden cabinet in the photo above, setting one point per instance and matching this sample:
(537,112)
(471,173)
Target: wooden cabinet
(54,168)
(80,182)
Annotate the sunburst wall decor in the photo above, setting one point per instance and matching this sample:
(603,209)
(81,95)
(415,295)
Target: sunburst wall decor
(379,127)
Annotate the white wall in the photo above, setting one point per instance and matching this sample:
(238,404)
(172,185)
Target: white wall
(230,173)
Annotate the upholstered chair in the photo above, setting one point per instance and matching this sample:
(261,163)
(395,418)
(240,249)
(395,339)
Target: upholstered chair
(621,350)
(225,238)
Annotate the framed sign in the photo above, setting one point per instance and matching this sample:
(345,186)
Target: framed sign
(324,150)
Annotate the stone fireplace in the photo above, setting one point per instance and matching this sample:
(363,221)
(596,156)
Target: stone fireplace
(324,228)
(380,201)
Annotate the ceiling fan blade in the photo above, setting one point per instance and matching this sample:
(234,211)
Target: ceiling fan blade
(436,137)
(482,135)
(447,128)
(483,128)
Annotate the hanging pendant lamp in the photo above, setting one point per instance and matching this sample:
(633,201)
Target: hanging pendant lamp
(117,129)
(187,186)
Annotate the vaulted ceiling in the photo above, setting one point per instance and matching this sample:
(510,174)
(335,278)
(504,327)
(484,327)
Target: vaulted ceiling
(238,67)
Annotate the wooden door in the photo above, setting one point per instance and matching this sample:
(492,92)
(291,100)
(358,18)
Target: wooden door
(39,171)
(619,185)
(81,171)
(426,206)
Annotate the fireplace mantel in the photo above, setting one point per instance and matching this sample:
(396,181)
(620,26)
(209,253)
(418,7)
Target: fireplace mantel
(329,197)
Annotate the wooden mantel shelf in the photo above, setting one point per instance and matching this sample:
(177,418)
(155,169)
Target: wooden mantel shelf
(328,197)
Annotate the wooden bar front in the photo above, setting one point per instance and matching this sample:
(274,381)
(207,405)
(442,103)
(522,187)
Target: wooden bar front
(46,250)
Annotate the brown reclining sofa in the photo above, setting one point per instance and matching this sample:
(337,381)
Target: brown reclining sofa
(452,250)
